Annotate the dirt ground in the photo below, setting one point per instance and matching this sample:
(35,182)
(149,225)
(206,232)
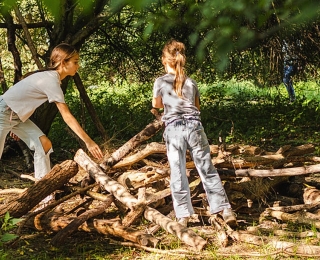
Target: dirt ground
(34,244)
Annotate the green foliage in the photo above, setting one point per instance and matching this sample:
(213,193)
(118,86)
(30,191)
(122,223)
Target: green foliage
(243,113)
(240,112)
(7,224)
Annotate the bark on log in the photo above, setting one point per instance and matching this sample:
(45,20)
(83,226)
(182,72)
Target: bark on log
(151,148)
(55,179)
(294,171)
(252,162)
(60,237)
(185,234)
(295,249)
(309,207)
(53,222)
(298,217)
(139,208)
(110,185)
(149,131)
(134,180)
(311,195)
(116,229)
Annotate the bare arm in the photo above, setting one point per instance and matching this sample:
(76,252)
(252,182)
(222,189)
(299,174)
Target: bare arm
(197,102)
(157,102)
(77,129)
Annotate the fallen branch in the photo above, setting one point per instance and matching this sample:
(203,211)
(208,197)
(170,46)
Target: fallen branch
(60,237)
(186,235)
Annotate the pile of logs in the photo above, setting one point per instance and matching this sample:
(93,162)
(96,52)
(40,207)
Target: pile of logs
(134,182)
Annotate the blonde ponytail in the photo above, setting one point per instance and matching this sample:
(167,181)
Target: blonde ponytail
(173,53)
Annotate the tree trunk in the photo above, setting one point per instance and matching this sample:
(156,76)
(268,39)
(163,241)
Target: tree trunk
(55,179)
(90,107)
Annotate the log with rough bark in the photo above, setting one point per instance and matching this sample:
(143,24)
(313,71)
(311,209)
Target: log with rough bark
(298,217)
(311,195)
(55,179)
(186,235)
(110,185)
(151,148)
(55,222)
(282,156)
(247,163)
(293,171)
(149,131)
(144,177)
(60,237)
(139,208)
(116,229)
(308,207)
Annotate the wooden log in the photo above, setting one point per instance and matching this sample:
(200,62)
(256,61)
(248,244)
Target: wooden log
(116,229)
(112,186)
(309,207)
(298,217)
(149,149)
(60,237)
(55,179)
(143,177)
(186,235)
(294,171)
(311,195)
(149,131)
(53,222)
(139,208)
(296,249)
(221,233)
(253,161)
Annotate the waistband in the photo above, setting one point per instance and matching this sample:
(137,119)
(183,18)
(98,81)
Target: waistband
(183,121)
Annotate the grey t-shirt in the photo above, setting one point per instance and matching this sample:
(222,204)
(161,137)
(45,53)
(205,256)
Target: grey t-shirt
(28,94)
(175,107)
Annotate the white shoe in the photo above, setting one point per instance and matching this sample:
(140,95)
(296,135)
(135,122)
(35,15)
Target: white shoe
(183,221)
(229,217)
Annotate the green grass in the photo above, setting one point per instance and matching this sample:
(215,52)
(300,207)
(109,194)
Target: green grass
(238,111)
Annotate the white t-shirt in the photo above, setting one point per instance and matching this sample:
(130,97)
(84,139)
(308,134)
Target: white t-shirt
(28,94)
(175,107)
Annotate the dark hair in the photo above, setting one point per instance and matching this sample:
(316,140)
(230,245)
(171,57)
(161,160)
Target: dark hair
(62,52)
(173,53)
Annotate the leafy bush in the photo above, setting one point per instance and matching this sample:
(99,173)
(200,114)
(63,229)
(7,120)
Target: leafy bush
(239,111)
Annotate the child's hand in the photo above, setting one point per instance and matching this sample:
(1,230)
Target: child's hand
(95,150)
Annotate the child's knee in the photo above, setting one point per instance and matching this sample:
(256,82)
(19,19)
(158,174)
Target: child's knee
(46,143)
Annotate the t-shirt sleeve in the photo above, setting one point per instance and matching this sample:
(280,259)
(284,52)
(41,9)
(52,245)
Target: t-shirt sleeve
(56,96)
(54,92)
(156,88)
(197,92)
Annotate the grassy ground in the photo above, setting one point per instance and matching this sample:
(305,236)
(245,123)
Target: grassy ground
(240,112)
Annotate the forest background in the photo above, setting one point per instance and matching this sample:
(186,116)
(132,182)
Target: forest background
(234,52)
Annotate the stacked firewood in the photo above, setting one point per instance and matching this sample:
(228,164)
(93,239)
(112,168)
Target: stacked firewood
(134,182)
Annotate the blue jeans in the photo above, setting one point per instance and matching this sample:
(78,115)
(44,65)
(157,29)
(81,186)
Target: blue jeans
(29,133)
(181,135)
(287,80)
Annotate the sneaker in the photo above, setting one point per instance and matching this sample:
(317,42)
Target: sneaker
(229,217)
(183,221)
